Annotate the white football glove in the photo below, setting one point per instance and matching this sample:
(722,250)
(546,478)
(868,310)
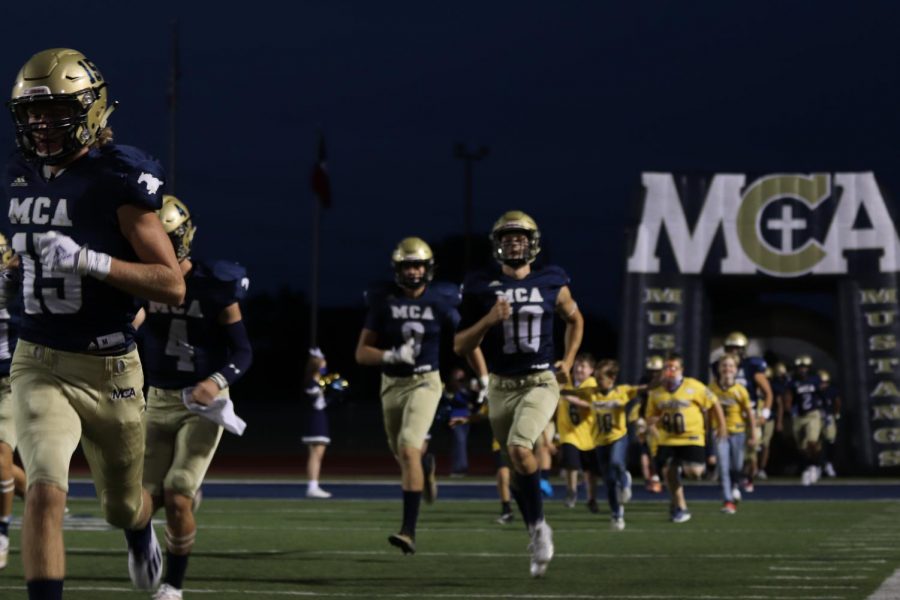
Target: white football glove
(766,413)
(60,253)
(401,355)
(482,391)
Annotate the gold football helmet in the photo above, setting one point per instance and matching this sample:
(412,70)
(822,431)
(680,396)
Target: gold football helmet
(412,251)
(176,221)
(736,339)
(803,360)
(654,363)
(6,252)
(824,376)
(67,82)
(780,369)
(515,221)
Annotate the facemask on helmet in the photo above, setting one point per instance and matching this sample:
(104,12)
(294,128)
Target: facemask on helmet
(516,239)
(59,105)
(412,252)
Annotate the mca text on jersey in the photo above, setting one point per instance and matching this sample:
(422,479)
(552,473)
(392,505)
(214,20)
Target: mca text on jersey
(519,295)
(407,311)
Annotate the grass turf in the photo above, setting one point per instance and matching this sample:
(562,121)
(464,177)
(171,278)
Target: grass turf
(333,549)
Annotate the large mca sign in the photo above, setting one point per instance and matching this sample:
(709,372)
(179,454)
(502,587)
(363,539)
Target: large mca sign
(695,229)
(782,225)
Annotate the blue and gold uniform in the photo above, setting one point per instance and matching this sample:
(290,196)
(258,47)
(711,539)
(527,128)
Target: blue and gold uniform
(68,319)
(67,311)
(410,393)
(806,408)
(182,346)
(523,344)
(519,351)
(396,318)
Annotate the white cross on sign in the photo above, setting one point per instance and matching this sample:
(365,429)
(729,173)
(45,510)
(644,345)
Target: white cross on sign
(787,225)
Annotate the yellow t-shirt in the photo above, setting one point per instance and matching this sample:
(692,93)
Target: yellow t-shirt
(609,411)
(574,424)
(681,413)
(735,402)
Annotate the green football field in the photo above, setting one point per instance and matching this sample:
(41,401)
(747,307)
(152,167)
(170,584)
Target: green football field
(338,549)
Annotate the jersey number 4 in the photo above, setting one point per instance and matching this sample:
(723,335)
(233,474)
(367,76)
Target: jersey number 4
(177,345)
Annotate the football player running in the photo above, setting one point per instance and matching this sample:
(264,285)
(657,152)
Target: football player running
(739,420)
(831,414)
(675,416)
(804,402)
(402,334)
(192,353)
(509,312)
(83,223)
(9,327)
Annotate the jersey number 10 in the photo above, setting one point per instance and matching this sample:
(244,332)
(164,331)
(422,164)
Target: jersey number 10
(522,330)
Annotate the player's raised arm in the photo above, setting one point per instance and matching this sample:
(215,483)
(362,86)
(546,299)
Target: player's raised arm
(567,309)
(466,341)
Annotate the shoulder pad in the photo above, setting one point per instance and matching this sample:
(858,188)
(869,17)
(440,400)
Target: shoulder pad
(758,362)
(478,281)
(553,275)
(448,292)
(377,292)
(228,278)
(141,174)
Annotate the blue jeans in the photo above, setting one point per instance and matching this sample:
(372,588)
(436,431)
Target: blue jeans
(612,465)
(731,461)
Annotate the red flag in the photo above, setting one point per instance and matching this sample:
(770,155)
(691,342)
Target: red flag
(318,181)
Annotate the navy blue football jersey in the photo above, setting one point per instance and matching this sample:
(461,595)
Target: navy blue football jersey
(807,397)
(66,311)
(10,321)
(396,318)
(524,342)
(829,396)
(746,375)
(183,345)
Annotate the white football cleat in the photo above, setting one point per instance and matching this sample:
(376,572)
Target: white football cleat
(167,592)
(541,547)
(4,550)
(146,569)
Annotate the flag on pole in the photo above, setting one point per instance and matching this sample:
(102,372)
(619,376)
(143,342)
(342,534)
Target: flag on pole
(319,182)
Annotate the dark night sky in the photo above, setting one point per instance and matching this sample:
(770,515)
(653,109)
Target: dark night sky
(574,99)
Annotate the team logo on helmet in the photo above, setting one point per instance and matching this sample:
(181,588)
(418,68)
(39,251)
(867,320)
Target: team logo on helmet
(59,105)
(176,221)
(412,251)
(515,255)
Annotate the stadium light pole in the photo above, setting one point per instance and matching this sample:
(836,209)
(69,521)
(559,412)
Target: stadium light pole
(469,158)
